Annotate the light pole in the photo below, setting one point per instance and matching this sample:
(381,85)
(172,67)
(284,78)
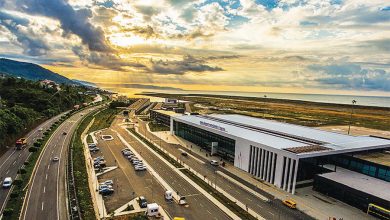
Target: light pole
(265,97)
(350,119)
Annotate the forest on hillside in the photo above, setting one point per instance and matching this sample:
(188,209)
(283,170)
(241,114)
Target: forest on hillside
(24,104)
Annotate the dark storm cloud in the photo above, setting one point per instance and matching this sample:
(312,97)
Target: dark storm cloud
(352,76)
(72,20)
(31,44)
(188,64)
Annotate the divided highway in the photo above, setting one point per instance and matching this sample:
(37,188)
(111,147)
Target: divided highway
(13,159)
(46,196)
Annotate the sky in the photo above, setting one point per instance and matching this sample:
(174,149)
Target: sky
(303,46)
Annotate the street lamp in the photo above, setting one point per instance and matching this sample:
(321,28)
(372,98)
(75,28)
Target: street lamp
(265,97)
(350,119)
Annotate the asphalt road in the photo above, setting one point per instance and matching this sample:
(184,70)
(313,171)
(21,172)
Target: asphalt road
(201,207)
(269,210)
(13,159)
(46,196)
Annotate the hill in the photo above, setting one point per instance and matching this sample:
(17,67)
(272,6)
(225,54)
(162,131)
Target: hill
(30,71)
(24,104)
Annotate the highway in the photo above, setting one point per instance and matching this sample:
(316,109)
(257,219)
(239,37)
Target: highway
(201,207)
(13,159)
(269,210)
(46,196)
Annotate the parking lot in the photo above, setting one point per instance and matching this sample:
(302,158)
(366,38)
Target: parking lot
(129,183)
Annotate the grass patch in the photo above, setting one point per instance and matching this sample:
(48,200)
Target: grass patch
(89,139)
(80,172)
(219,196)
(103,119)
(155,126)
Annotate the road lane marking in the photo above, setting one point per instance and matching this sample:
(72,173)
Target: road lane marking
(42,205)
(14,162)
(46,176)
(48,166)
(44,189)
(7,172)
(8,158)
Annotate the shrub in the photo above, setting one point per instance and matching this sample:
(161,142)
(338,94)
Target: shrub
(32,149)
(8,212)
(26,163)
(18,182)
(14,194)
(37,144)
(22,171)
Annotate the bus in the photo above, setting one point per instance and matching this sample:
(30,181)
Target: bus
(378,211)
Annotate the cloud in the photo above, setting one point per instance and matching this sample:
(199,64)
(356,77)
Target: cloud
(71,20)
(188,64)
(352,76)
(138,86)
(106,60)
(31,43)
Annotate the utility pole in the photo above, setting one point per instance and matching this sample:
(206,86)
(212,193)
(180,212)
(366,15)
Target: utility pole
(350,119)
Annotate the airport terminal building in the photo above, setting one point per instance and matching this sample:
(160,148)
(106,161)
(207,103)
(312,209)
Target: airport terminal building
(279,153)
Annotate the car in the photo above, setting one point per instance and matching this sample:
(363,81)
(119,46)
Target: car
(91,145)
(104,186)
(289,203)
(40,129)
(98,158)
(64,133)
(133,158)
(95,149)
(55,159)
(129,157)
(135,162)
(7,182)
(108,182)
(214,162)
(125,149)
(142,202)
(106,191)
(184,154)
(127,153)
(140,167)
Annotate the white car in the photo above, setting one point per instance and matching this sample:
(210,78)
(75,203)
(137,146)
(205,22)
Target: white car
(214,162)
(140,167)
(55,159)
(7,182)
(108,182)
(40,129)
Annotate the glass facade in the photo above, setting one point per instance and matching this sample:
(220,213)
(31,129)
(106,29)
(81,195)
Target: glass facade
(203,138)
(362,166)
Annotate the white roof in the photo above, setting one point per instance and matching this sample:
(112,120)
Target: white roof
(152,206)
(360,182)
(282,135)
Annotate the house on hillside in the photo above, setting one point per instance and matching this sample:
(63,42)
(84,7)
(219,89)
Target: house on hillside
(49,84)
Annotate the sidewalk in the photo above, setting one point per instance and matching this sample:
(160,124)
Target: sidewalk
(307,199)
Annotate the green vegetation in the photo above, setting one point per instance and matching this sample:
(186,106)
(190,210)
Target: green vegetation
(14,205)
(220,197)
(80,171)
(24,104)
(89,139)
(104,118)
(154,126)
(292,111)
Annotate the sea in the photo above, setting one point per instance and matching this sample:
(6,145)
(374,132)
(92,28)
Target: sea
(381,101)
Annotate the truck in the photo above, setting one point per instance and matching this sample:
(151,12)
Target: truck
(21,143)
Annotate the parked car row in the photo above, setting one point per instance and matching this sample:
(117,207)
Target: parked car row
(137,163)
(99,162)
(105,188)
(93,148)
